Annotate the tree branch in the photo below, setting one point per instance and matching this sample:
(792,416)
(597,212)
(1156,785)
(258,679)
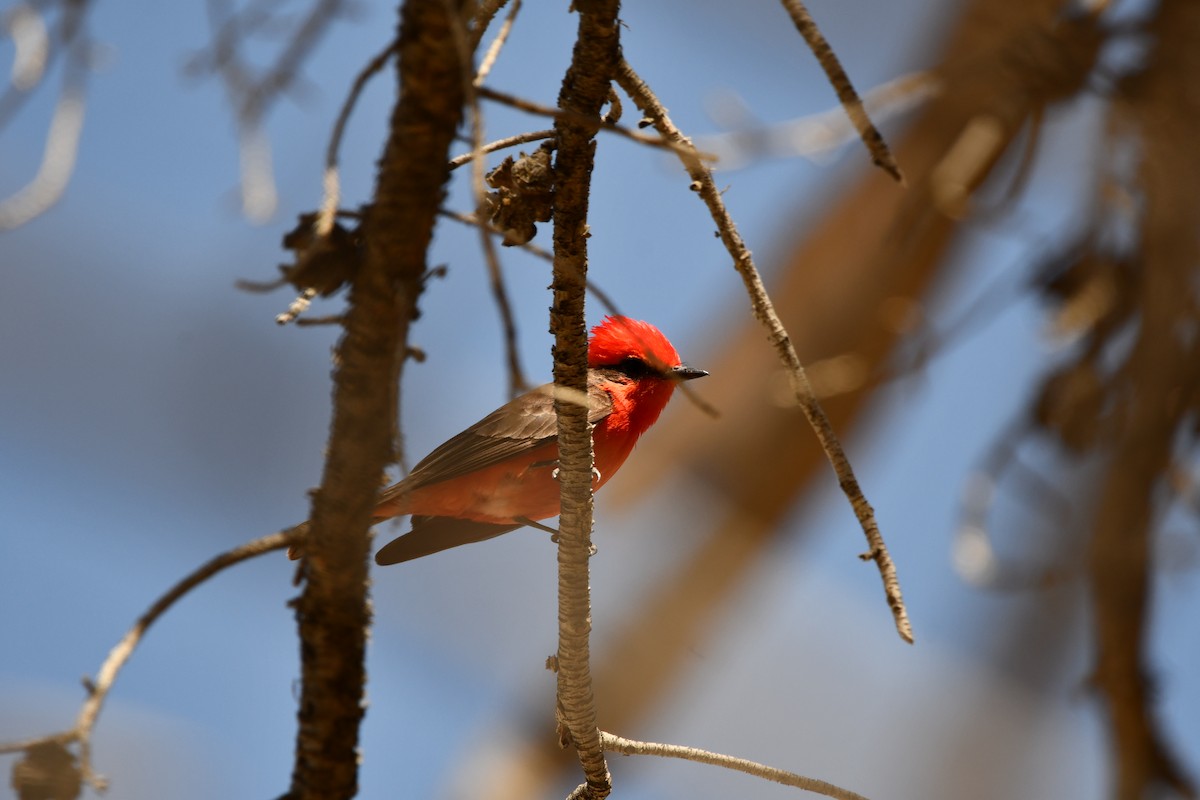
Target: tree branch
(584,91)
(764,312)
(334,612)
(120,654)
(500,144)
(631,747)
(845,90)
(332,199)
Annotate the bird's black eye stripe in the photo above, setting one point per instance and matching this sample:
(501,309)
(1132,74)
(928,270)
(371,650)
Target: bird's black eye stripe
(635,367)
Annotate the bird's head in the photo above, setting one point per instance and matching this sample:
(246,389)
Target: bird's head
(638,349)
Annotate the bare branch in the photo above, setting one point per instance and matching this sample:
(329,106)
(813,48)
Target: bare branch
(493,52)
(33,54)
(1154,390)
(517,382)
(120,654)
(764,312)
(483,19)
(605,299)
(845,90)
(58,162)
(584,91)
(397,226)
(38,45)
(329,206)
(631,747)
(252,91)
(500,144)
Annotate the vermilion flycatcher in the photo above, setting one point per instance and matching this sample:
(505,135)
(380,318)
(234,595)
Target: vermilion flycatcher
(499,474)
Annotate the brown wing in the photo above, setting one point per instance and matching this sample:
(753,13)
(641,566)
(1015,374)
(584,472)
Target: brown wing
(517,427)
(432,534)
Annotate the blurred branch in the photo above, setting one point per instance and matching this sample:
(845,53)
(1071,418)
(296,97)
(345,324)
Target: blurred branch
(334,610)
(35,51)
(585,89)
(329,205)
(38,45)
(974,556)
(251,90)
(58,160)
(845,90)
(493,52)
(764,312)
(814,134)
(631,747)
(484,15)
(472,78)
(98,690)
(1155,391)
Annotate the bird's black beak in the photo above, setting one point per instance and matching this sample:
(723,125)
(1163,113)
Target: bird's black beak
(685,373)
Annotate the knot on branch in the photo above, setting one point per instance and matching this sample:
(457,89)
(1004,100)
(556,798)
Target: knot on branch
(48,771)
(524,195)
(323,263)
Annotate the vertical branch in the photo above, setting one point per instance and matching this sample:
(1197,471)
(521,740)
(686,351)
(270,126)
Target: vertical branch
(333,611)
(584,91)
(1155,413)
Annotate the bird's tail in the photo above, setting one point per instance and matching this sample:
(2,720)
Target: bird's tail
(432,534)
(428,535)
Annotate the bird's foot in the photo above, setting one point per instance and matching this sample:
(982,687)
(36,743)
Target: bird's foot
(595,474)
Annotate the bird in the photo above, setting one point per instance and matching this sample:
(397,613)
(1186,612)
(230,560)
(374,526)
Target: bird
(500,474)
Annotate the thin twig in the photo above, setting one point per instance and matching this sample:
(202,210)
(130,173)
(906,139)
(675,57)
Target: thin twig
(483,19)
(529,247)
(631,747)
(500,144)
(329,206)
(252,92)
(474,221)
(844,89)
(517,382)
(764,312)
(528,106)
(120,654)
(493,52)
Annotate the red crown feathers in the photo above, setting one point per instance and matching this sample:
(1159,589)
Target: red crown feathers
(619,338)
